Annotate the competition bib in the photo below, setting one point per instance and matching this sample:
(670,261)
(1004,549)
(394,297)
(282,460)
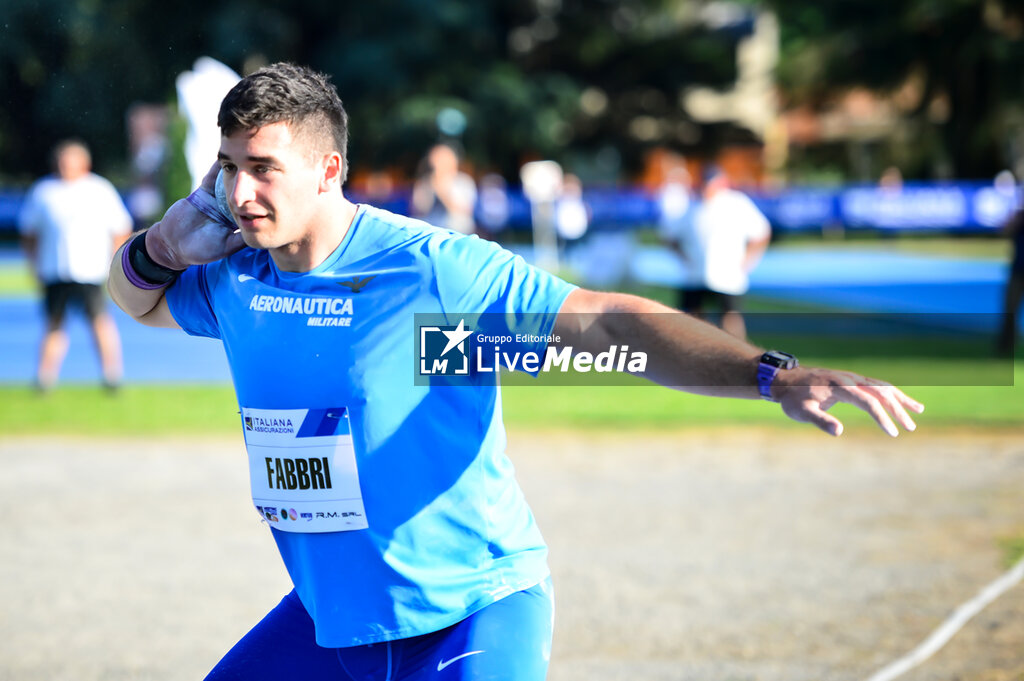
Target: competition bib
(302,469)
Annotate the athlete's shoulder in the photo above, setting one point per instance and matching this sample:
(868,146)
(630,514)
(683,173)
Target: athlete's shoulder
(387,226)
(381,230)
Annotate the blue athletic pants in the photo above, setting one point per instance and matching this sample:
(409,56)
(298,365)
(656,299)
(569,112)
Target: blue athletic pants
(509,640)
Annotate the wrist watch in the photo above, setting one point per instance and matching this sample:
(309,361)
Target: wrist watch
(770,364)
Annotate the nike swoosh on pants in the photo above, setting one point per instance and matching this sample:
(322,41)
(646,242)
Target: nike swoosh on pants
(442,664)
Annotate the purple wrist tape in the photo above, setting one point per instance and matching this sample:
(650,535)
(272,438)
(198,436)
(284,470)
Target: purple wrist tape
(129,272)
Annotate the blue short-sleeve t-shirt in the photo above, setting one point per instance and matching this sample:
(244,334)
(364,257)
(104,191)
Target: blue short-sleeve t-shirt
(448,531)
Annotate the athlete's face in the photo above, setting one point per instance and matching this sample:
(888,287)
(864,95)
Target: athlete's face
(273,181)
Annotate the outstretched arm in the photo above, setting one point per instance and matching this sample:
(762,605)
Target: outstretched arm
(185,236)
(687,354)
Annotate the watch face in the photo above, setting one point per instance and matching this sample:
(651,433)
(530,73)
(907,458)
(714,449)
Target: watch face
(782,360)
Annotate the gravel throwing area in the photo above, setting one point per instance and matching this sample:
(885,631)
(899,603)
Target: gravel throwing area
(719,555)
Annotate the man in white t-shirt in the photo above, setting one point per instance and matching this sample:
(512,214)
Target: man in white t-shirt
(71,224)
(731,235)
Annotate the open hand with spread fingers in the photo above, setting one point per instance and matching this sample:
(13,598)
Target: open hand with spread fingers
(806,394)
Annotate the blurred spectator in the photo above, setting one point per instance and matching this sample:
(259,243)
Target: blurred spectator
(675,198)
(200,92)
(71,224)
(730,236)
(542,185)
(494,206)
(1014,285)
(572,217)
(147,140)
(891,180)
(378,185)
(676,208)
(443,195)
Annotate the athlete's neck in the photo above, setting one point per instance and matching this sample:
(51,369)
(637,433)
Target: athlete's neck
(321,239)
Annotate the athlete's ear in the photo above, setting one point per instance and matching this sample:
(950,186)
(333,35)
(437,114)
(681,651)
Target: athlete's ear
(330,178)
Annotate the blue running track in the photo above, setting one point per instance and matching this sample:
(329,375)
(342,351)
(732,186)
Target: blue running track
(846,280)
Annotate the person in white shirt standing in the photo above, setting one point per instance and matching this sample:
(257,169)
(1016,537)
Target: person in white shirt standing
(444,195)
(71,224)
(732,235)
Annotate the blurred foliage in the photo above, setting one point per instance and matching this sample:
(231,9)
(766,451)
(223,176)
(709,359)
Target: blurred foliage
(563,79)
(952,67)
(177,181)
(517,70)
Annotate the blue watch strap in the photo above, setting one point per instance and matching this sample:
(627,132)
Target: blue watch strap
(765,376)
(768,369)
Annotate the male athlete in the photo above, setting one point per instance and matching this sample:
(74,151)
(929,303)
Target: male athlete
(393,505)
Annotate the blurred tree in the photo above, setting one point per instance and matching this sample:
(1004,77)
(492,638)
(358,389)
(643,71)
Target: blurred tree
(631,62)
(546,78)
(955,65)
(72,68)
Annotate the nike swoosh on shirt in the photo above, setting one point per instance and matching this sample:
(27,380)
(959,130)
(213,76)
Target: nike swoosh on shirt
(442,664)
(245,277)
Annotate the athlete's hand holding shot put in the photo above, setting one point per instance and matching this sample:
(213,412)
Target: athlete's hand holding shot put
(185,236)
(393,504)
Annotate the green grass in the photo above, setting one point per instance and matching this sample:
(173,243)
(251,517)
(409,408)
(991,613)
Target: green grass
(211,410)
(975,247)
(967,247)
(17,281)
(200,410)
(650,407)
(134,410)
(1013,548)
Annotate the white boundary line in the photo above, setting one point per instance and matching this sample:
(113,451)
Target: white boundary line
(952,625)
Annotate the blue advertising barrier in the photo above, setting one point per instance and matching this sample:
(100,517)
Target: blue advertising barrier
(958,207)
(946,207)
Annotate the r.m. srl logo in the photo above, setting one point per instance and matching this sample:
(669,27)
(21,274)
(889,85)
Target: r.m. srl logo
(444,350)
